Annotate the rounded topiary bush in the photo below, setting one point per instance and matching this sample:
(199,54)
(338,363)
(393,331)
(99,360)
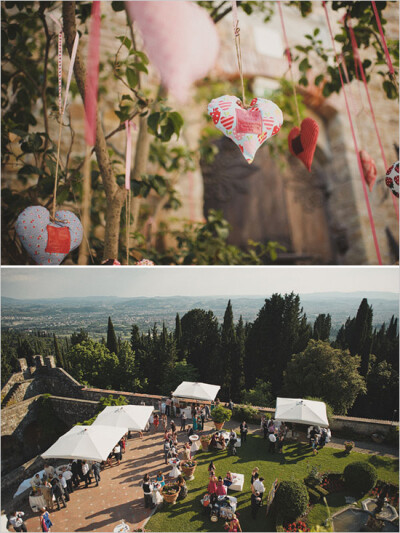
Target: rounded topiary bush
(360,476)
(291,500)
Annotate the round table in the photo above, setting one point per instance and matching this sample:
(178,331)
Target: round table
(62,468)
(194,439)
(37,502)
(175,472)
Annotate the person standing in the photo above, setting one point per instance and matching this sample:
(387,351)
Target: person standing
(183,420)
(207,411)
(253,475)
(67,475)
(168,406)
(47,494)
(96,472)
(234,525)
(75,472)
(167,448)
(212,485)
(258,486)
(45,522)
(255,504)
(156,422)
(63,484)
(272,441)
(147,491)
(203,416)
(117,453)
(48,470)
(85,473)
(243,431)
(265,428)
(58,492)
(17,521)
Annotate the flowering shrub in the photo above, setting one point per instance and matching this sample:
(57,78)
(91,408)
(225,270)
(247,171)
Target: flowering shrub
(332,482)
(189,464)
(296,526)
(171,488)
(392,493)
(348,445)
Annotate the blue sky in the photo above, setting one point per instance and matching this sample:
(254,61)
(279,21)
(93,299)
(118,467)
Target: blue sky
(42,282)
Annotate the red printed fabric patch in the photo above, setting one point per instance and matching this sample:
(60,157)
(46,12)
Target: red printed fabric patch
(58,240)
(248,121)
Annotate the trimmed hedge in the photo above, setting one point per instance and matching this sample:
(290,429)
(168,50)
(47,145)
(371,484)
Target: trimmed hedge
(313,495)
(246,413)
(360,476)
(291,500)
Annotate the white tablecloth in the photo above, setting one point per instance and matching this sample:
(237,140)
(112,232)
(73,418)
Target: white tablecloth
(175,472)
(37,502)
(194,439)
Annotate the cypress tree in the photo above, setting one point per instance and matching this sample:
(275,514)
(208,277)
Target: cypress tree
(57,353)
(178,337)
(226,355)
(112,343)
(237,381)
(322,327)
(361,335)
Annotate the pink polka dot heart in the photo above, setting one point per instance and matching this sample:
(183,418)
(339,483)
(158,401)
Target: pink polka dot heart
(32,229)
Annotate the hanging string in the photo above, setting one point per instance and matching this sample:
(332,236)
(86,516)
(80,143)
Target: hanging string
(236,31)
(128,165)
(356,54)
(388,60)
(289,58)
(364,185)
(61,109)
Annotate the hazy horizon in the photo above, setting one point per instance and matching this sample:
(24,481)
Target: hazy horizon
(31,283)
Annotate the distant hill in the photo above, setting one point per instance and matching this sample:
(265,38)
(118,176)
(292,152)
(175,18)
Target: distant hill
(65,315)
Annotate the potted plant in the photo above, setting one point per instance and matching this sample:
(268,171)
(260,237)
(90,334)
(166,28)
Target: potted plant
(220,415)
(188,468)
(170,492)
(205,442)
(348,446)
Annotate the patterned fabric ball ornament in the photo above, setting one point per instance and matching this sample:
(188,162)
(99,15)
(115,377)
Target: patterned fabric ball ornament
(369,169)
(248,128)
(180,39)
(392,178)
(303,141)
(48,242)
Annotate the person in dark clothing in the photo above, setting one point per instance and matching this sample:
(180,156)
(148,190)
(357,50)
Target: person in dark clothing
(265,428)
(147,491)
(58,492)
(173,426)
(80,473)
(243,431)
(75,473)
(96,472)
(255,504)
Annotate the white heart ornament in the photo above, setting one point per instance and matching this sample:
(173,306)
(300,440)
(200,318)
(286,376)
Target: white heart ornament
(248,128)
(48,242)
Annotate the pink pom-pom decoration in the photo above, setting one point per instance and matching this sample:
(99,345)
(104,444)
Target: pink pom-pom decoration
(180,39)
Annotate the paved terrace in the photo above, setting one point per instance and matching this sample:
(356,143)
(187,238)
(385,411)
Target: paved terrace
(119,495)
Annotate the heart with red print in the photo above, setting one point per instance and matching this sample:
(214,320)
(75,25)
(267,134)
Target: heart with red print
(248,128)
(303,141)
(45,241)
(392,178)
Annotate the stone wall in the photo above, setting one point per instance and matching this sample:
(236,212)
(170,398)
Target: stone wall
(73,410)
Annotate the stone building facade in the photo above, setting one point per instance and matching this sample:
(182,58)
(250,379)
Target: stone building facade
(320,217)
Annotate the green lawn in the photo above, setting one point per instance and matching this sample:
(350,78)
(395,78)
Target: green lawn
(295,462)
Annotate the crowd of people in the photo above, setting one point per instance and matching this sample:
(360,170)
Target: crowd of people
(275,432)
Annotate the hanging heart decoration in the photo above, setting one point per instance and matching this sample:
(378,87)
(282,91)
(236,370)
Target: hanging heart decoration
(369,169)
(392,178)
(48,242)
(248,128)
(303,141)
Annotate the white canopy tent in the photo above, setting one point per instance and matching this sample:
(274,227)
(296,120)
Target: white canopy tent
(196,391)
(92,443)
(301,411)
(133,417)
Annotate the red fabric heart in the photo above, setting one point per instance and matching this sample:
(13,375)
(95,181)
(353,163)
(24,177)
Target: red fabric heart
(369,169)
(58,240)
(302,142)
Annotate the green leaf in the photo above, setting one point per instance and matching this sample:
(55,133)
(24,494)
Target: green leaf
(304,65)
(318,79)
(141,67)
(316,31)
(118,6)
(153,121)
(132,77)
(177,121)
(124,40)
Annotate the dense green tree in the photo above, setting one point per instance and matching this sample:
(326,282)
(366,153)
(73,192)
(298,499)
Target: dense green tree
(79,337)
(279,330)
(200,341)
(386,343)
(92,362)
(237,362)
(227,351)
(57,353)
(112,343)
(260,395)
(178,337)
(322,327)
(327,373)
(361,335)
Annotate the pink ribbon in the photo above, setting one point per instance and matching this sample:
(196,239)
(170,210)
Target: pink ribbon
(289,56)
(92,76)
(364,185)
(378,21)
(356,54)
(128,155)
